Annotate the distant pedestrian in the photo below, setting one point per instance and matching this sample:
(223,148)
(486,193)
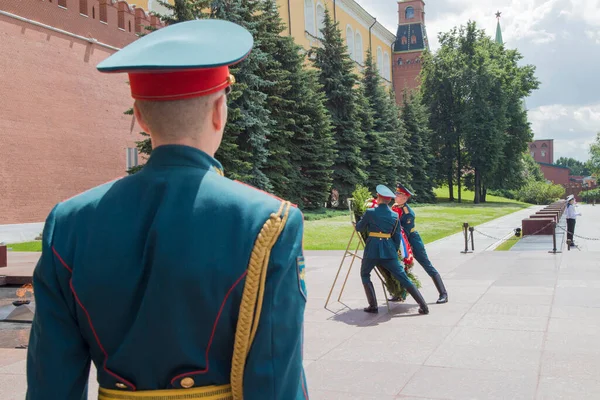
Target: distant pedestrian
(572,214)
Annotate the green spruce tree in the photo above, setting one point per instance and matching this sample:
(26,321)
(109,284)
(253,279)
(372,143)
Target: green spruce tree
(243,152)
(386,143)
(415,121)
(337,77)
(300,147)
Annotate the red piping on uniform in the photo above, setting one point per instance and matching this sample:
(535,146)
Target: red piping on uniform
(117,377)
(212,335)
(303,388)
(64,264)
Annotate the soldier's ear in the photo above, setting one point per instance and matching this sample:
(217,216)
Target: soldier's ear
(139,117)
(219,113)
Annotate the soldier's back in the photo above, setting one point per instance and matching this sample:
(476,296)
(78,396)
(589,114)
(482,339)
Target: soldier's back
(157,263)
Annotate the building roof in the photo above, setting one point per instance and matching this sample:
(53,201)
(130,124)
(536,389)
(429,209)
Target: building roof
(404,38)
(357,12)
(553,165)
(499,33)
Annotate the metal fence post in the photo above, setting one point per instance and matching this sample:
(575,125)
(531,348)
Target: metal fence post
(471,229)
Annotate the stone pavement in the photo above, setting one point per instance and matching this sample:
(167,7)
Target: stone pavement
(15,233)
(519,325)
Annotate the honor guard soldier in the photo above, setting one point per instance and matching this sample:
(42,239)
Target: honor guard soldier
(572,214)
(381,249)
(176,282)
(407,219)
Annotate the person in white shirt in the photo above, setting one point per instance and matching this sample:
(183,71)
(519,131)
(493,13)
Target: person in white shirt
(572,214)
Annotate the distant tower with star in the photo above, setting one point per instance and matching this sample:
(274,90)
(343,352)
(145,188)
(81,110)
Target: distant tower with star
(498,29)
(411,41)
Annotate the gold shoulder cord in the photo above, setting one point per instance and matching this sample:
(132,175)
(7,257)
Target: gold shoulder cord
(252,297)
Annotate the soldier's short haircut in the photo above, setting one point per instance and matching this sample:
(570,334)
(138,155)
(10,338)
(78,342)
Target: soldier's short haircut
(179,118)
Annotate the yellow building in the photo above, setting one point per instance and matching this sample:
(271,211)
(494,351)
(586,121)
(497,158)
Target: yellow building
(304,19)
(360,30)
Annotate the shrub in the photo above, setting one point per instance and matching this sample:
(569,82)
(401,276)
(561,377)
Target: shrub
(591,195)
(540,192)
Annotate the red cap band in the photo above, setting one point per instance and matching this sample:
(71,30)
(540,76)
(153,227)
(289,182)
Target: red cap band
(178,85)
(402,190)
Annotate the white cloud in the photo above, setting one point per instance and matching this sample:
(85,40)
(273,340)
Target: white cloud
(587,11)
(573,128)
(594,35)
(553,35)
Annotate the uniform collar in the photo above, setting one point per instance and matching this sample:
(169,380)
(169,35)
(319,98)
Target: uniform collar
(174,155)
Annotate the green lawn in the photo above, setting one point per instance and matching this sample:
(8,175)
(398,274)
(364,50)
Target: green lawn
(331,229)
(433,221)
(26,246)
(507,244)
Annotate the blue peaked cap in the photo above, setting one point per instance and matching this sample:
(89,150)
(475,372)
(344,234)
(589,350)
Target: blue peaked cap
(384,191)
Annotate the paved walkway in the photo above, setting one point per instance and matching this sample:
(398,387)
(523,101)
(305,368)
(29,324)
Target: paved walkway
(519,325)
(15,233)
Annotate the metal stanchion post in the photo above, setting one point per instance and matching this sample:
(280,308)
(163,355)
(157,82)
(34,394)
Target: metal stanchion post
(471,229)
(466,233)
(554,249)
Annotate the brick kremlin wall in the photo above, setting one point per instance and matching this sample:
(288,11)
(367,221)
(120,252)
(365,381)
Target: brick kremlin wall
(62,128)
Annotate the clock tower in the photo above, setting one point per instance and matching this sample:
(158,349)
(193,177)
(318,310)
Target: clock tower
(411,41)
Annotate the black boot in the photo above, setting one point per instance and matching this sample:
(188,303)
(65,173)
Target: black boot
(439,284)
(371,298)
(414,292)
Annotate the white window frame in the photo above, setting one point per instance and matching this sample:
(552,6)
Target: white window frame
(309,16)
(320,19)
(386,65)
(350,41)
(380,60)
(131,157)
(358,48)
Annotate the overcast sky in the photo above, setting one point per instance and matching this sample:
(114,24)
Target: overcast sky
(561,38)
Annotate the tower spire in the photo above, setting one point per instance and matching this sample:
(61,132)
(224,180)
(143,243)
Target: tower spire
(498,30)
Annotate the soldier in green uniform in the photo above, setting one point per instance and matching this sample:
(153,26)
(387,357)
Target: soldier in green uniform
(382,228)
(176,282)
(407,219)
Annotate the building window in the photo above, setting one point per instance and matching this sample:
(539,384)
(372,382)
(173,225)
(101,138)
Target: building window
(320,20)
(380,61)
(543,153)
(386,66)
(62,3)
(350,41)
(358,48)
(533,154)
(129,26)
(544,145)
(83,7)
(309,16)
(132,157)
(413,39)
(103,12)
(93,12)
(409,13)
(121,20)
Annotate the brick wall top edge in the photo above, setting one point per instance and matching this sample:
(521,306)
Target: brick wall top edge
(113,22)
